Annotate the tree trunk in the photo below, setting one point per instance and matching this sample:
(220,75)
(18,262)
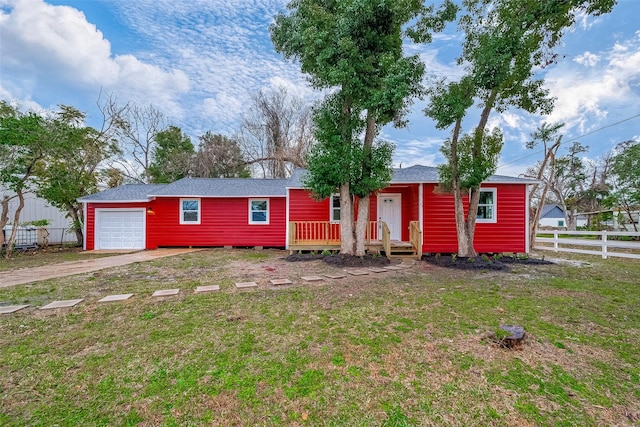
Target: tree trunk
(362,224)
(461,227)
(363,201)
(347,243)
(16,223)
(77,222)
(470,223)
(570,217)
(4,217)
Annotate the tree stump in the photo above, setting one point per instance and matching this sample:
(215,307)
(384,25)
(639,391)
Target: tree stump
(508,336)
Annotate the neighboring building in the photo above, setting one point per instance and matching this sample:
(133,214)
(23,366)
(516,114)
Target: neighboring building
(408,215)
(553,216)
(36,209)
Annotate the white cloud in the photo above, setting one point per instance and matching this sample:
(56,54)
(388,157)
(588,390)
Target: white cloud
(587,59)
(417,152)
(586,96)
(55,45)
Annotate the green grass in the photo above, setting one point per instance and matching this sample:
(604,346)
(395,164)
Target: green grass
(30,258)
(396,349)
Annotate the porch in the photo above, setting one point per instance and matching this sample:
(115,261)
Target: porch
(325,235)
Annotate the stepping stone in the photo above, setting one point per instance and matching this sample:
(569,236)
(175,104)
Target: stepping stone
(392,268)
(335,276)
(244,285)
(165,293)
(8,309)
(112,298)
(312,278)
(358,272)
(277,282)
(62,304)
(209,288)
(378,270)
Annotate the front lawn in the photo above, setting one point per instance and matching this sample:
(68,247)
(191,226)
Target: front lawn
(392,349)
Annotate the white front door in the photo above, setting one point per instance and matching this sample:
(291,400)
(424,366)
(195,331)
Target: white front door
(390,211)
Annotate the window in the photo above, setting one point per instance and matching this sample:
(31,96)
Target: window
(335,208)
(189,211)
(560,223)
(258,211)
(487,206)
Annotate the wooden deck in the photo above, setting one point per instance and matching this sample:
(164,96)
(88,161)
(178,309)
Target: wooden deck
(324,235)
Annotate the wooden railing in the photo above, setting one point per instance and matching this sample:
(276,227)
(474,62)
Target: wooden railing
(314,232)
(325,233)
(415,237)
(373,232)
(386,238)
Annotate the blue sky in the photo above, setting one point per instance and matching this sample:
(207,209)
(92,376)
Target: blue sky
(199,61)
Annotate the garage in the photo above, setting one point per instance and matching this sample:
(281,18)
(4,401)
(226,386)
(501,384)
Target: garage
(120,229)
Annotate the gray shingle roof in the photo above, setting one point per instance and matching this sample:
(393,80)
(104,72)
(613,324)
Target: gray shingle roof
(416,174)
(247,187)
(223,187)
(127,192)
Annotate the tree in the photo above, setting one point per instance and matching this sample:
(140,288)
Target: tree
(172,156)
(569,182)
(277,133)
(544,171)
(62,179)
(219,156)
(505,42)
(354,49)
(23,144)
(626,179)
(136,129)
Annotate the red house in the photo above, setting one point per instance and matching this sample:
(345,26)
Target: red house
(407,217)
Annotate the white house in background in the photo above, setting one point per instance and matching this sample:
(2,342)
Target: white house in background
(553,216)
(36,209)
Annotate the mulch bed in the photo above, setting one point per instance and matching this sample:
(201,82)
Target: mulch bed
(338,260)
(481,262)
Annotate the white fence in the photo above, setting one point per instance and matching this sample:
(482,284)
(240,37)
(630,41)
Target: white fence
(603,243)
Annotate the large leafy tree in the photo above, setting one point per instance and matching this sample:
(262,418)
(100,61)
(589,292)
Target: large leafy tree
(62,178)
(354,49)
(172,156)
(506,41)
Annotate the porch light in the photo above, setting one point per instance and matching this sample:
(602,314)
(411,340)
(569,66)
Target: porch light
(150,211)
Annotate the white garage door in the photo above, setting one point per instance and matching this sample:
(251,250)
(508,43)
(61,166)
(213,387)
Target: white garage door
(120,229)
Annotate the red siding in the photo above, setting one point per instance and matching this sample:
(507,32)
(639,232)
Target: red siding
(223,222)
(303,208)
(508,234)
(91,219)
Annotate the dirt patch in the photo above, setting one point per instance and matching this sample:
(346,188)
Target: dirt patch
(342,260)
(482,262)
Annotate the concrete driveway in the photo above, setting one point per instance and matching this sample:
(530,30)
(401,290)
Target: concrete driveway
(63,269)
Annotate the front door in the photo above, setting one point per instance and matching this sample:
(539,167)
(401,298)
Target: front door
(390,211)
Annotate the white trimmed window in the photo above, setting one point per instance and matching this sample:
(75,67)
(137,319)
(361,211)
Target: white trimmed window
(487,207)
(258,211)
(189,211)
(334,206)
